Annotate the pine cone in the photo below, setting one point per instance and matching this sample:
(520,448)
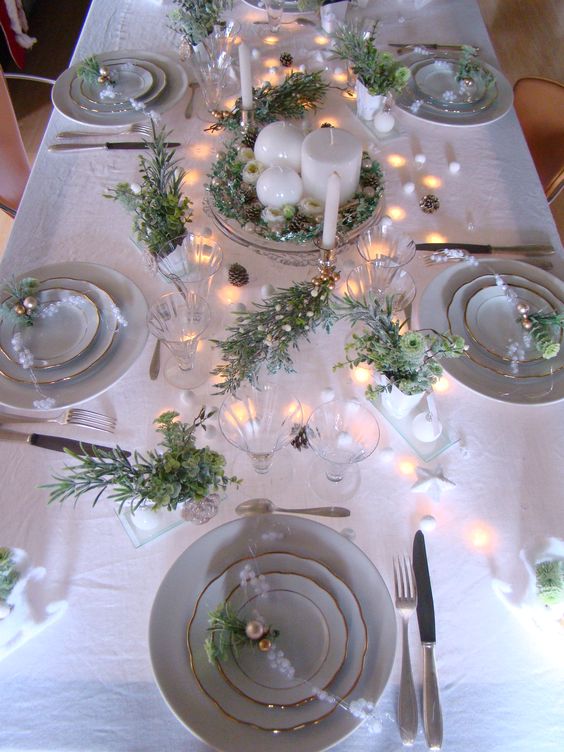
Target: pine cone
(249,138)
(299,223)
(370,178)
(286,59)
(429,204)
(248,191)
(238,275)
(253,211)
(326,125)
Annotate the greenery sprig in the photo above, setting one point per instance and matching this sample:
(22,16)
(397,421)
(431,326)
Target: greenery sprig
(550,582)
(21,305)
(470,67)
(160,210)
(195,19)
(407,358)
(9,575)
(166,478)
(268,334)
(543,331)
(379,71)
(296,95)
(231,633)
(92,72)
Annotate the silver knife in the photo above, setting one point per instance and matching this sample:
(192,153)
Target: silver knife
(108,145)
(432,714)
(57,443)
(522,250)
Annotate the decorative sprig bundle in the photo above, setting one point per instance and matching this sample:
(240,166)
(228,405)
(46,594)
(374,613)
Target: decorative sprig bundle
(296,95)
(470,67)
(195,19)
(379,71)
(166,478)
(21,305)
(92,72)
(160,210)
(230,633)
(543,328)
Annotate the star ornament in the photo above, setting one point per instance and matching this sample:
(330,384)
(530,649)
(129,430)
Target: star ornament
(432,482)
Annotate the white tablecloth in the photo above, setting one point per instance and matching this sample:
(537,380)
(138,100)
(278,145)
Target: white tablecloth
(85,682)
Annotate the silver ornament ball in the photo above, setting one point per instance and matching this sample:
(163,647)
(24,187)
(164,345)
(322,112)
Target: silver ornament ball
(30,303)
(254,629)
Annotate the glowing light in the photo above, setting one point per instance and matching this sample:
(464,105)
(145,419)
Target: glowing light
(292,408)
(271,40)
(432,181)
(192,177)
(482,537)
(320,39)
(361,375)
(396,213)
(241,412)
(200,151)
(407,466)
(306,411)
(435,237)
(352,286)
(271,62)
(334,122)
(396,160)
(442,385)
(229,294)
(350,94)
(340,77)
(230,103)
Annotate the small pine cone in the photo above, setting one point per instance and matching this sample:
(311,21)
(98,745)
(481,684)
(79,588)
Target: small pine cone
(286,59)
(238,275)
(253,211)
(300,439)
(249,138)
(370,179)
(429,204)
(298,223)
(248,191)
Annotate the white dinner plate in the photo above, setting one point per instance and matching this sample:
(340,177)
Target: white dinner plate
(435,82)
(431,313)
(210,555)
(173,91)
(126,346)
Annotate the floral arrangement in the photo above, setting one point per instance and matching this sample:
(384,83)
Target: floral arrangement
(160,210)
(20,306)
(407,359)
(165,478)
(469,67)
(195,19)
(542,330)
(378,71)
(230,633)
(233,188)
(296,95)
(9,574)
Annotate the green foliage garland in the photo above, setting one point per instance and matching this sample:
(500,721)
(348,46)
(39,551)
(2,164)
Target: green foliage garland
(160,210)
(195,19)
(180,472)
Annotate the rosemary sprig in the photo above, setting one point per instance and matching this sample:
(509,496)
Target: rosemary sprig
(89,70)
(543,332)
(297,94)
(229,633)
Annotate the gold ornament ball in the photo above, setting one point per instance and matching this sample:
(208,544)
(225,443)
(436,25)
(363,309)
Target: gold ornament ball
(526,323)
(19,309)
(254,630)
(103,71)
(523,308)
(30,303)
(265,644)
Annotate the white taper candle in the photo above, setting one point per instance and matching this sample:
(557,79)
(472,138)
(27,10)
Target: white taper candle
(246,78)
(331,211)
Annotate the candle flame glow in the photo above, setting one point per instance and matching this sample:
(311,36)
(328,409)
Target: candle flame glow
(271,40)
(431,181)
(441,385)
(406,466)
(200,151)
(320,39)
(396,213)
(271,62)
(482,536)
(229,294)
(361,375)
(340,77)
(435,237)
(396,160)
(192,177)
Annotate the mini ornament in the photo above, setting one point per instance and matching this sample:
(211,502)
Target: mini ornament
(432,482)
(19,309)
(104,77)
(238,275)
(255,629)
(409,188)
(286,60)
(229,633)
(429,204)
(30,303)
(420,159)
(265,644)
(454,167)
(383,122)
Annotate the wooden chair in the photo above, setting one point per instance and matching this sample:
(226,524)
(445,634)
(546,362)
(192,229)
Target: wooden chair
(539,103)
(13,158)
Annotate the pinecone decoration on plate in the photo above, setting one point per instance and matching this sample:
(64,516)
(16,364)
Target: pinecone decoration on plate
(249,138)
(286,60)
(238,275)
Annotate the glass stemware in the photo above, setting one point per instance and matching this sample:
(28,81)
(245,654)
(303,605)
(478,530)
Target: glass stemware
(260,420)
(385,241)
(341,433)
(190,263)
(274,9)
(178,320)
(384,281)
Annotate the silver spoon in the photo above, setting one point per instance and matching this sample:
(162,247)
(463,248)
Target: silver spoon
(265,506)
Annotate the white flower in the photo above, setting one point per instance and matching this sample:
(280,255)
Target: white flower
(252,170)
(287,328)
(272,216)
(310,207)
(135,188)
(246,154)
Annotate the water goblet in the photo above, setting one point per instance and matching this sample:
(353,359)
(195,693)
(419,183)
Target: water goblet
(260,420)
(178,320)
(385,241)
(341,433)
(274,9)
(383,281)
(190,263)
(213,73)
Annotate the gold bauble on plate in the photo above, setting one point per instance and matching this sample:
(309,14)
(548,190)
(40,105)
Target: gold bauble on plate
(19,309)
(265,644)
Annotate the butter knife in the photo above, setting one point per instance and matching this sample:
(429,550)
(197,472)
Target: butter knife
(520,250)
(109,145)
(432,714)
(57,443)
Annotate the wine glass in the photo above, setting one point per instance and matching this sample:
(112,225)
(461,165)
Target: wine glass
(274,10)
(190,263)
(178,321)
(384,281)
(260,420)
(385,241)
(341,433)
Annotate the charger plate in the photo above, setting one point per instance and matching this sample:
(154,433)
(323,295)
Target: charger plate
(209,556)
(435,310)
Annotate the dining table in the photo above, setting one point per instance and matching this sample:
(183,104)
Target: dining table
(84,681)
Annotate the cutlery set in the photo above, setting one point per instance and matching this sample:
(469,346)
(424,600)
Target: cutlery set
(56,443)
(413,592)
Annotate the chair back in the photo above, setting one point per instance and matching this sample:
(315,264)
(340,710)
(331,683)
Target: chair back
(539,103)
(14,164)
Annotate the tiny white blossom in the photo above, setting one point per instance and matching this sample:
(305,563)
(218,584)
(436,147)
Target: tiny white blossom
(287,328)
(135,188)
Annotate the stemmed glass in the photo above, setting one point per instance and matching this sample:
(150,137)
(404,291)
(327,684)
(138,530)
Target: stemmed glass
(342,433)
(275,10)
(384,281)
(260,420)
(385,241)
(178,321)
(212,65)
(190,263)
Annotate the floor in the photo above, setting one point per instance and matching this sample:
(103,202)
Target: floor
(526,35)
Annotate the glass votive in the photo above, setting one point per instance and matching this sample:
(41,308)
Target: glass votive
(382,280)
(385,241)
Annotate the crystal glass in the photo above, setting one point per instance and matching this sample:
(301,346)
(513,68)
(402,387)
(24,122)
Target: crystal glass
(178,320)
(260,420)
(384,281)
(341,433)
(274,9)
(213,71)
(190,263)
(385,240)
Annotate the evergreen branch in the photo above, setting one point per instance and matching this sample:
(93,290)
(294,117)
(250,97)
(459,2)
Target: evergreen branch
(89,70)
(9,575)
(544,332)
(229,633)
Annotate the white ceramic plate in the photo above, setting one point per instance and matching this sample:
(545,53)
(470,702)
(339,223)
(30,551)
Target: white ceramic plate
(126,346)
(434,80)
(173,91)
(431,313)
(211,554)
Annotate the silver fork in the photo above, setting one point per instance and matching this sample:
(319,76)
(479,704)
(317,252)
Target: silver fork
(143,128)
(75,416)
(406,601)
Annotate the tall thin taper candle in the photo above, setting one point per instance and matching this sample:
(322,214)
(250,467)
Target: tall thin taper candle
(331,211)
(246,78)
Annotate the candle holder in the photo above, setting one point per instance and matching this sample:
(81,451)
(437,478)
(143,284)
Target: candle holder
(328,273)
(247,119)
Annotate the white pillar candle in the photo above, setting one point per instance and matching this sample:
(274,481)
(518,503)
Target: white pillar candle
(280,144)
(278,186)
(331,211)
(246,79)
(329,150)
